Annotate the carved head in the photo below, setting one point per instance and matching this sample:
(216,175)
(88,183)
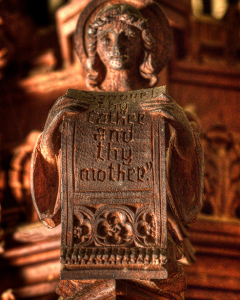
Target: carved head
(119,40)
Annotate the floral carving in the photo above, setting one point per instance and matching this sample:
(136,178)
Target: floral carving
(82,227)
(145,225)
(114,227)
(222,172)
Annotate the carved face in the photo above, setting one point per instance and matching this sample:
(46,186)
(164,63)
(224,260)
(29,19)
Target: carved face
(119,45)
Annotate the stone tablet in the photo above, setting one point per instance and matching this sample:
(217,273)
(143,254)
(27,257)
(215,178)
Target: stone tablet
(113,188)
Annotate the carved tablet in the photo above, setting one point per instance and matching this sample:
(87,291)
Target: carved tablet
(113,188)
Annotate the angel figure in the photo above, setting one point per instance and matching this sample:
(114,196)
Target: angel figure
(123,50)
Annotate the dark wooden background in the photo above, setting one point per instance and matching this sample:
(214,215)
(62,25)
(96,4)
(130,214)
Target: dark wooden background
(203,75)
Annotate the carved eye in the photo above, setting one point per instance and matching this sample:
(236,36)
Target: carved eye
(105,39)
(131,34)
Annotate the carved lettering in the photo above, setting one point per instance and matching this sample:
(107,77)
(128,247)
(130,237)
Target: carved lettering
(140,118)
(115,132)
(122,107)
(99,152)
(113,151)
(121,118)
(131,118)
(101,135)
(141,172)
(131,172)
(103,176)
(112,100)
(121,173)
(127,159)
(91,117)
(103,118)
(128,135)
(111,175)
(124,97)
(118,117)
(110,146)
(86,172)
(143,95)
(117,135)
(100,103)
(112,117)
(101,98)
(93,174)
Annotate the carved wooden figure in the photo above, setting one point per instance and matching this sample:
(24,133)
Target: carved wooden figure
(116,199)
(109,163)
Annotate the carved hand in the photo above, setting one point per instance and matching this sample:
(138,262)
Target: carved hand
(50,144)
(182,140)
(45,192)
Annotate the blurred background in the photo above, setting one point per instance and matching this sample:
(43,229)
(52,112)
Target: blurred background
(38,64)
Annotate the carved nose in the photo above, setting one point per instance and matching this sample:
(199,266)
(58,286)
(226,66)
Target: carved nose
(117,46)
(116,50)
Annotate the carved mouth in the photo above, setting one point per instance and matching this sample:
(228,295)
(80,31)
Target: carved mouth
(118,61)
(120,58)
(117,57)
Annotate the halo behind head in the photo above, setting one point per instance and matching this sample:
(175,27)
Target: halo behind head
(158,26)
(121,10)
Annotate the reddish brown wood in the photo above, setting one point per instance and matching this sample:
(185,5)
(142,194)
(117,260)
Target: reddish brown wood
(217,244)
(117,198)
(30,49)
(66,18)
(99,165)
(213,90)
(157,44)
(33,262)
(87,289)
(3,184)
(222,173)
(19,175)
(216,40)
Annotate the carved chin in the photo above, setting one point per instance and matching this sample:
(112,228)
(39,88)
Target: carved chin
(116,63)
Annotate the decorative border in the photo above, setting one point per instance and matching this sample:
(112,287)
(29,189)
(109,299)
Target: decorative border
(113,256)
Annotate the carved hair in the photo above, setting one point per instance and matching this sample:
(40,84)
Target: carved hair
(127,14)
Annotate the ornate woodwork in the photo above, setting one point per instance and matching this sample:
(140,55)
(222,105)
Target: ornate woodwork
(67,17)
(116,200)
(222,175)
(19,176)
(99,165)
(214,91)
(215,275)
(32,257)
(216,40)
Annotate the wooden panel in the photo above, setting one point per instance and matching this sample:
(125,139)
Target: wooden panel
(114,154)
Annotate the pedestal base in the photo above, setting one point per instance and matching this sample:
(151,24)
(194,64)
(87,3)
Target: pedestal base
(171,289)
(87,289)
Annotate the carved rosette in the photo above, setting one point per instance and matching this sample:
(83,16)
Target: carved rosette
(113,226)
(113,235)
(145,226)
(82,226)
